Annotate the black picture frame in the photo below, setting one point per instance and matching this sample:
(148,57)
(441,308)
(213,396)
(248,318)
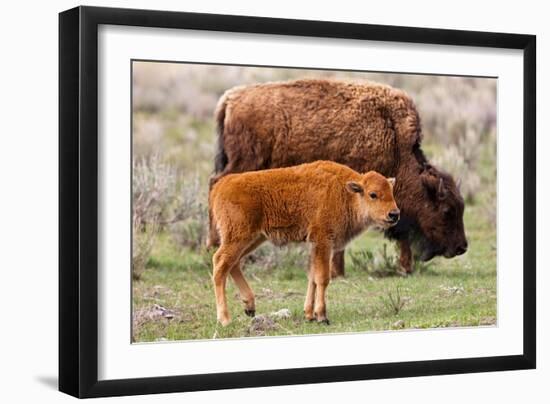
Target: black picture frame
(78,200)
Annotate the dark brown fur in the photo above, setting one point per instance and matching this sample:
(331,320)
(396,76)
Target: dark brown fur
(364,126)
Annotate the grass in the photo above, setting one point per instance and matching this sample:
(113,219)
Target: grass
(174,300)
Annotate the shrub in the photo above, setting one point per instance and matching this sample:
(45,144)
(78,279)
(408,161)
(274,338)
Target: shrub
(269,257)
(393,301)
(461,160)
(381,263)
(152,191)
(162,199)
(189,223)
(378,263)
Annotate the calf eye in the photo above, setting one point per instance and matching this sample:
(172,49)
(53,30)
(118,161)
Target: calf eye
(373,195)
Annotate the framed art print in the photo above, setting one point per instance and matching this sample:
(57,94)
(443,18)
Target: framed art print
(251,201)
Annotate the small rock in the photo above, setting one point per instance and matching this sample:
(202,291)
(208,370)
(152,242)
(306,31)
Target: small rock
(452,290)
(281,314)
(267,292)
(399,324)
(163,311)
(260,324)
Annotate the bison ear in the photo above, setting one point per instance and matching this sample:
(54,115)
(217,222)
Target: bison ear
(355,187)
(392,181)
(430,182)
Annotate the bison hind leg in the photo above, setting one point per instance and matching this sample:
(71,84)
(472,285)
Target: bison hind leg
(245,291)
(224,260)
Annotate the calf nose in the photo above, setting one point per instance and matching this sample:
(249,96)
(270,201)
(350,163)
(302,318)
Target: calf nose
(394,215)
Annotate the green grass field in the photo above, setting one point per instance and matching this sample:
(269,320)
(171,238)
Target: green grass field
(174,300)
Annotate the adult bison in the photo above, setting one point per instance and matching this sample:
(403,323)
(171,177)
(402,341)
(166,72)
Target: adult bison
(365,126)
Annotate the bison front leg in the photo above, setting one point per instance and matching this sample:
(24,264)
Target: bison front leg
(321,255)
(405,259)
(337,264)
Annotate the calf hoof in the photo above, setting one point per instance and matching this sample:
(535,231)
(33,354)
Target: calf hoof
(324,321)
(250,312)
(309,315)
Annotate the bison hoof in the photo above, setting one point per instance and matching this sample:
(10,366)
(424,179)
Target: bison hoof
(250,312)
(324,321)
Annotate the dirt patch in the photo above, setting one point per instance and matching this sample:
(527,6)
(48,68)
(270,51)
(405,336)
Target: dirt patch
(157,292)
(259,325)
(488,321)
(155,313)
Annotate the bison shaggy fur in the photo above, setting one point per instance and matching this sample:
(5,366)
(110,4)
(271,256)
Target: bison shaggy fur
(365,126)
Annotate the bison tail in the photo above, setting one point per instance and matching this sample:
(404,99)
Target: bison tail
(213,239)
(221,160)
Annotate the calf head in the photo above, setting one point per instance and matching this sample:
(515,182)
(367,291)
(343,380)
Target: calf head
(376,202)
(440,216)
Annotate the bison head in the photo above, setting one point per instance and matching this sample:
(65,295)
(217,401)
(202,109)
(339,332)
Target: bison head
(440,216)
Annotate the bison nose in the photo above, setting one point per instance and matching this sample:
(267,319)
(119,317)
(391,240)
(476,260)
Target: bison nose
(394,215)
(461,249)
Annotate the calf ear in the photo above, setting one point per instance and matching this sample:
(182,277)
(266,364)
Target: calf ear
(391,181)
(355,187)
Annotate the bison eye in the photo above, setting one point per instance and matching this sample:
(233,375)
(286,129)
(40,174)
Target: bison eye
(373,195)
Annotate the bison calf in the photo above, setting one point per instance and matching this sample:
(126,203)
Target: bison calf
(323,203)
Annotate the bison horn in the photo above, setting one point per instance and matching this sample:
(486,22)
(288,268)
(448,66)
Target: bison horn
(441,192)
(459,183)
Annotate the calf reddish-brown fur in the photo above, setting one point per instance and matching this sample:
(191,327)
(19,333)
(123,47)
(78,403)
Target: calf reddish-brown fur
(365,126)
(323,203)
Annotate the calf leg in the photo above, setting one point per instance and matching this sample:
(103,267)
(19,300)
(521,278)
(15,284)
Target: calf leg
(337,264)
(405,259)
(246,293)
(310,296)
(321,276)
(227,256)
